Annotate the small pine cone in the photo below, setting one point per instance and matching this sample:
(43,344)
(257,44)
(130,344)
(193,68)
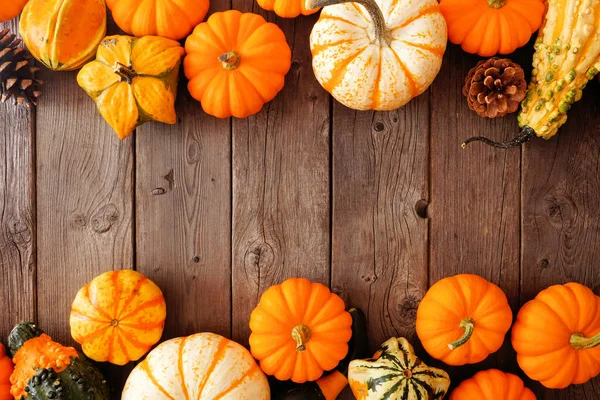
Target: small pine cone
(17,72)
(494,88)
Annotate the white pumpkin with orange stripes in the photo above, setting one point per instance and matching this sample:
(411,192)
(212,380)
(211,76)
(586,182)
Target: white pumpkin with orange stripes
(201,367)
(377,54)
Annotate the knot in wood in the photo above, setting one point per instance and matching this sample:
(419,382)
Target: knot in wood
(19,232)
(104,219)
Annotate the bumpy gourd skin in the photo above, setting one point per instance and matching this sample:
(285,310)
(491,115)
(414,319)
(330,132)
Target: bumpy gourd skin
(45,369)
(567,57)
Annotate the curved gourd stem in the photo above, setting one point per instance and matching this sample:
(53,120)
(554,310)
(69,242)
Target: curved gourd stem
(526,134)
(580,342)
(469,326)
(126,73)
(301,335)
(496,3)
(381,31)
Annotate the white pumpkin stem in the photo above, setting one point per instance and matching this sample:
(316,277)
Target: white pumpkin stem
(230,60)
(496,3)
(381,31)
(126,73)
(469,326)
(580,342)
(301,335)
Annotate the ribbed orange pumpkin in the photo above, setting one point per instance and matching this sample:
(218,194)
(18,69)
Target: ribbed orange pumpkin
(299,329)
(463,319)
(9,10)
(287,8)
(63,34)
(236,63)
(173,19)
(489,27)
(492,385)
(118,316)
(6,369)
(557,336)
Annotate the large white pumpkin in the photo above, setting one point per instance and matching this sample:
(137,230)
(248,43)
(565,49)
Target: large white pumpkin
(377,54)
(203,366)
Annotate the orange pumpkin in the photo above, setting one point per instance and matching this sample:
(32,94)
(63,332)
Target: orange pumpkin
(63,34)
(489,27)
(173,19)
(6,369)
(463,319)
(299,329)
(9,10)
(557,336)
(118,317)
(235,63)
(287,8)
(492,385)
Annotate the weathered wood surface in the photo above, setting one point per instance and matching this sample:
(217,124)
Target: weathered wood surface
(377,205)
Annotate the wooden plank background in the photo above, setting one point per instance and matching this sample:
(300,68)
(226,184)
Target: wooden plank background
(377,205)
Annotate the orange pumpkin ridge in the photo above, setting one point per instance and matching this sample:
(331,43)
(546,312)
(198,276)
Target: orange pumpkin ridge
(462,319)
(299,330)
(6,369)
(492,384)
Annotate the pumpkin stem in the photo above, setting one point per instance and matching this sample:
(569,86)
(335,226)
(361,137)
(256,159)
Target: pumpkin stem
(382,34)
(301,335)
(526,134)
(230,60)
(126,73)
(468,325)
(496,3)
(580,342)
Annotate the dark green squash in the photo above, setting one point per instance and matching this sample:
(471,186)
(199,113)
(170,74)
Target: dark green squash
(46,370)
(330,386)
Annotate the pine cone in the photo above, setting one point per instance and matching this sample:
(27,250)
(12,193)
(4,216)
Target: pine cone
(494,88)
(17,72)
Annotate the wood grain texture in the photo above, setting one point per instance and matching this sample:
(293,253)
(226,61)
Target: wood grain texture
(281,184)
(561,213)
(380,229)
(17,213)
(475,196)
(183,218)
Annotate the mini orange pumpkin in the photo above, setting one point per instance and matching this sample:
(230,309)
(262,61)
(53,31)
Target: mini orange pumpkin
(118,316)
(463,319)
(10,9)
(63,34)
(236,63)
(299,329)
(492,384)
(557,336)
(287,8)
(173,19)
(489,27)
(6,369)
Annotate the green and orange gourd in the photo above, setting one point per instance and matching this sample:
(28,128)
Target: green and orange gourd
(45,369)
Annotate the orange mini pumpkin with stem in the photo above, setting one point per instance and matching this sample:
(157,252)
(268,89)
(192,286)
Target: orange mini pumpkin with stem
(489,27)
(299,329)
(463,319)
(172,19)
(10,9)
(492,384)
(6,369)
(557,336)
(118,316)
(236,63)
